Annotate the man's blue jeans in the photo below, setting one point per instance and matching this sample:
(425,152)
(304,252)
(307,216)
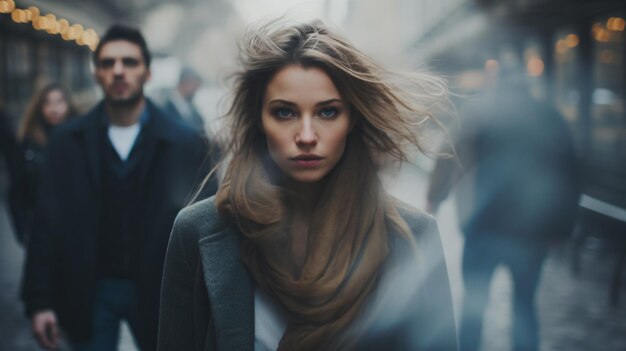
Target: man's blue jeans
(116,300)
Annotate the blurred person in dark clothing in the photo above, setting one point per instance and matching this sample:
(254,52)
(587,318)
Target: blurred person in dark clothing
(520,195)
(49,107)
(180,106)
(8,145)
(112,183)
(7,133)
(180,103)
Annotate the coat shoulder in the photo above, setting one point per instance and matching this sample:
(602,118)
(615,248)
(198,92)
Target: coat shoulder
(199,220)
(73,125)
(420,222)
(178,127)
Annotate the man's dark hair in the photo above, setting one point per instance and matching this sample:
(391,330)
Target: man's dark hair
(121,32)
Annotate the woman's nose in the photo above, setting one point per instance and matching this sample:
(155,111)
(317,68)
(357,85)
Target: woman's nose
(306,134)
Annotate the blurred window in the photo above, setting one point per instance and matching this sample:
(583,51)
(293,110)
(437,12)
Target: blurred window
(534,63)
(2,65)
(43,59)
(3,68)
(73,69)
(68,70)
(566,74)
(19,83)
(608,121)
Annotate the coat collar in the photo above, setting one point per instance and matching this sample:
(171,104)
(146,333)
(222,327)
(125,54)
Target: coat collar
(90,127)
(230,289)
(161,126)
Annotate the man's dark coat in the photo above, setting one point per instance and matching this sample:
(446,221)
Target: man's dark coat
(61,267)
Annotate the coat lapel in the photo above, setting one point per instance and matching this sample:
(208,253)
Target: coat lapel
(230,290)
(158,134)
(92,138)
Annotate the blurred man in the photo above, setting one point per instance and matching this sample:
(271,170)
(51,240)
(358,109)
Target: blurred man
(180,104)
(521,195)
(112,184)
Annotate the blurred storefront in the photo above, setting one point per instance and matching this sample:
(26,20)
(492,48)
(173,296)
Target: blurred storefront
(573,52)
(44,41)
(574,56)
(31,55)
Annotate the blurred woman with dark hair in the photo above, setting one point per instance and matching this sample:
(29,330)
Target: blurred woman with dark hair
(302,248)
(49,107)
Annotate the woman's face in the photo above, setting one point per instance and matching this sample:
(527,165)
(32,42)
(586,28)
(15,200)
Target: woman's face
(54,107)
(306,122)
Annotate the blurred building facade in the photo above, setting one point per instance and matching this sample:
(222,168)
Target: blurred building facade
(574,56)
(42,41)
(573,51)
(29,58)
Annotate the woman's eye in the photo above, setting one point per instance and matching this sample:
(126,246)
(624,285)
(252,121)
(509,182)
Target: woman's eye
(283,112)
(329,112)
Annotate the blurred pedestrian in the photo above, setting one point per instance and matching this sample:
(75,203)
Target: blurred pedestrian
(521,194)
(180,106)
(112,184)
(180,103)
(49,107)
(8,145)
(302,249)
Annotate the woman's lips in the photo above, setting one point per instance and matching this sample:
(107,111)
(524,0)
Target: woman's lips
(307,160)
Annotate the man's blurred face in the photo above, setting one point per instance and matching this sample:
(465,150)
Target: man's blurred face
(121,72)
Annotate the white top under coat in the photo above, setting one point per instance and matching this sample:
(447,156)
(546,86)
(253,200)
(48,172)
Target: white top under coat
(269,322)
(123,138)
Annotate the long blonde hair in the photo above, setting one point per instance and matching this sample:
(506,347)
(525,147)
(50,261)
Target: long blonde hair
(390,110)
(32,125)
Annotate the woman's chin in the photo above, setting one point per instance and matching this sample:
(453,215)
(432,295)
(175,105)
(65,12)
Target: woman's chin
(310,176)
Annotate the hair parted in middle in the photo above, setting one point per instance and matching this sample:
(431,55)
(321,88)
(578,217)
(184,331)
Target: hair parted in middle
(389,110)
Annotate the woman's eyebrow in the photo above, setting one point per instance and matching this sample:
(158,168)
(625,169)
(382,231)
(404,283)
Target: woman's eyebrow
(321,103)
(328,102)
(281,101)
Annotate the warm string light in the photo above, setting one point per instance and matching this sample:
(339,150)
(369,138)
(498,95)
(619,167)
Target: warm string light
(7,6)
(606,32)
(572,40)
(616,24)
(50,24)
(534,63)
(534,67)
(492,65)
(568,42)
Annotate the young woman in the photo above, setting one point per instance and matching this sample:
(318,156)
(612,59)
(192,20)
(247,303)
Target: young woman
(48,108)
(301,248)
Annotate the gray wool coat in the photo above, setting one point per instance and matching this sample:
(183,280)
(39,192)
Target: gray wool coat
(207,297)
